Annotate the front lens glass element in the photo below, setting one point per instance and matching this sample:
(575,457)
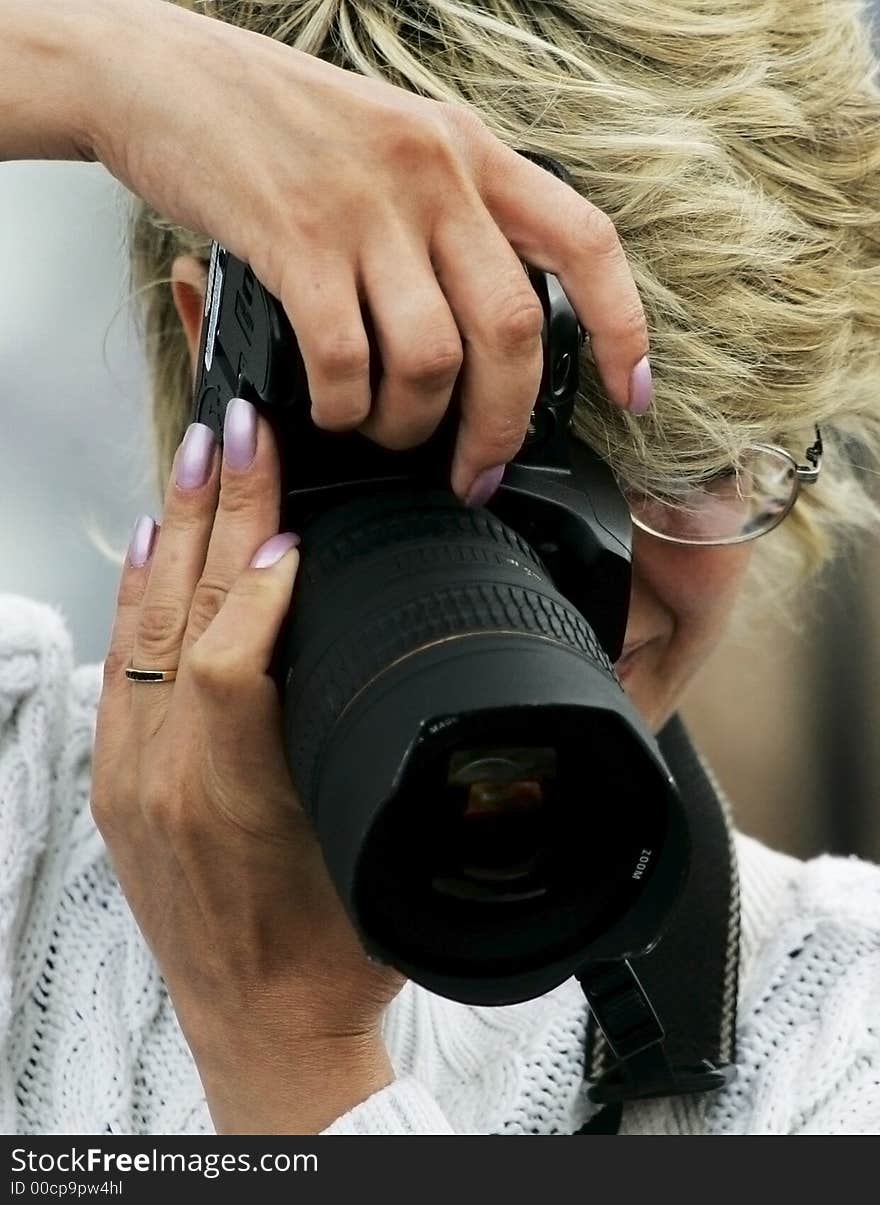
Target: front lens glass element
(502,800)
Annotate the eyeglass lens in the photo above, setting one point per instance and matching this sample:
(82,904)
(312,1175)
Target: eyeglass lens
(739,502)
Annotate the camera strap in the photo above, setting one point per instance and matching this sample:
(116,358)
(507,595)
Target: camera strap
(664,1024)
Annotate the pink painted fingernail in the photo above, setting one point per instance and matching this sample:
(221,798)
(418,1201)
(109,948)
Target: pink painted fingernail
(641,387)
(141,544)
(273,550)
(239,433)
(194,456)
(485,485)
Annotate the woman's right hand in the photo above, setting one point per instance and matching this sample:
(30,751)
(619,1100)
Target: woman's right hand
(339,189)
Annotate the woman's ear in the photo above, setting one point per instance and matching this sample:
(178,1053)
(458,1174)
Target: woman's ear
(189,281)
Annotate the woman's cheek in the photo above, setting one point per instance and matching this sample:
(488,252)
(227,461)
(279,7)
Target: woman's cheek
(699,586)
(684,598)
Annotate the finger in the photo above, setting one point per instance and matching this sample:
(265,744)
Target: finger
(247,512)
(320,297)
(177,563)
(115,697)
(500,318)
(417,340)
(234,652)
(224,676)
(552,227)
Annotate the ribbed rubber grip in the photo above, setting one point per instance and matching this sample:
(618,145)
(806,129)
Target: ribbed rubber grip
(430,520)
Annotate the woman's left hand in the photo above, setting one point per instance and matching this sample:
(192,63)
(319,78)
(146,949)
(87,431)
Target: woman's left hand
(275,995)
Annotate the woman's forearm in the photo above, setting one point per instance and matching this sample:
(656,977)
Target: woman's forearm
(44,95)
(57,59)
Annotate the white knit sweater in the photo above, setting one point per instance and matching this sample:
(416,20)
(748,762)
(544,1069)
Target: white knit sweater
(89,1042)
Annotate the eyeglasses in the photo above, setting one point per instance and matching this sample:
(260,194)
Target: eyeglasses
(733,506)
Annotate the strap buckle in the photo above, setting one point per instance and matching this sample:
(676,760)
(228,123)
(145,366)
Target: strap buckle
(635,1035)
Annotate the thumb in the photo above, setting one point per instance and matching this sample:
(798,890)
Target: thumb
(237,645)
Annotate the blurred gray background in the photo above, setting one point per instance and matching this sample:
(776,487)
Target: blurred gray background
(788,722)
(73,412)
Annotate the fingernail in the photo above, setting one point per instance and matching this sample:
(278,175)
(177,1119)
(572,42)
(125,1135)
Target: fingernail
(641,387)
(141,543)
(194,456)
(485,485)
(239,433)
(273,550)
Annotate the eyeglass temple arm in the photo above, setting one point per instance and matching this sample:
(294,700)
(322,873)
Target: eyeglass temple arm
(810,473)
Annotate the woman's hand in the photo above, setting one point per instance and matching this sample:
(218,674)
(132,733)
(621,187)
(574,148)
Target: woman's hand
(341,190)
(191,791)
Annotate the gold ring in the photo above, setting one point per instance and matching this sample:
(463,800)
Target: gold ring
(150,675)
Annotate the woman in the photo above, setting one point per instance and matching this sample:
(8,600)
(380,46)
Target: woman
(177,958)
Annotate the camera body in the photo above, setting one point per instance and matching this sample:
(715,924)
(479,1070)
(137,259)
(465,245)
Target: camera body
(556,492)
(491,807)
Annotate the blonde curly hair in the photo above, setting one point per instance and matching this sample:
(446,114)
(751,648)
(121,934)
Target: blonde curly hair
(735,144)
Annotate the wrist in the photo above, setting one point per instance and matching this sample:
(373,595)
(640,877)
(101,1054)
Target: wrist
(46,83)
(75,71)
(300,1089)
(113,46)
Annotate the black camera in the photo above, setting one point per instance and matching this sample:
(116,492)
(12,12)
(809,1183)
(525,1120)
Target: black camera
(492,809)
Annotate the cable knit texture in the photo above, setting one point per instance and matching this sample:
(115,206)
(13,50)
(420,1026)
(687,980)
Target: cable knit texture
(89,1041)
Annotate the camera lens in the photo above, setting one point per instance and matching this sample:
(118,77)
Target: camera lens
(480,785)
